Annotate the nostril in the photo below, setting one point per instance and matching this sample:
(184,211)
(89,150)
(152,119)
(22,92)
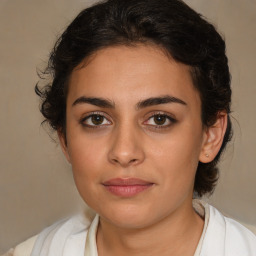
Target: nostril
(133,161)
(128,162)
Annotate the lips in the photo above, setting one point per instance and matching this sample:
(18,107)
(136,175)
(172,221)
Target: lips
(127,187)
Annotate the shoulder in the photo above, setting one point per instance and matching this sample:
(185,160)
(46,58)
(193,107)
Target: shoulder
(25,248)
(70,230)
(225,236)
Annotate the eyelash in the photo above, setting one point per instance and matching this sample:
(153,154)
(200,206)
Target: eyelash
(89,116)
(162,114)
(170,118)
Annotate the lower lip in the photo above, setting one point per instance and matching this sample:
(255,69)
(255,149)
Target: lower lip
(127,190)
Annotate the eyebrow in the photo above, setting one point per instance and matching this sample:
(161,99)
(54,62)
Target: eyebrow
(106,103)
(159,100)
(99,102)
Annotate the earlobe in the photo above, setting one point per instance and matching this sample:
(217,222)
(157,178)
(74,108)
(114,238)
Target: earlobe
(63,144)
(213,138)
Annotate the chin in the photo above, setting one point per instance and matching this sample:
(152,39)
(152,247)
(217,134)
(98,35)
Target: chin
(128,216)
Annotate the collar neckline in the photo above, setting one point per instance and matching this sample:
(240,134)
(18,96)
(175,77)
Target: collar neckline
(91,246)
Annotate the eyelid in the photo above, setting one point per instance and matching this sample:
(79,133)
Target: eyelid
(150,115)
(170,117)
(88,115)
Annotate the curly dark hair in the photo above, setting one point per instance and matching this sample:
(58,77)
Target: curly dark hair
(168,24)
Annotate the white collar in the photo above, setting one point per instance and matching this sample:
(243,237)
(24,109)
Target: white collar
(90,244)
(77,236)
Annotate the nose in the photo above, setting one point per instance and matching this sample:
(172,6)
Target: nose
(126,147)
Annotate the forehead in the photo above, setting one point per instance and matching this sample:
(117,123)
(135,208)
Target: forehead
(125,73)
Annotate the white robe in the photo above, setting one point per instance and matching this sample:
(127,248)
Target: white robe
(221,236)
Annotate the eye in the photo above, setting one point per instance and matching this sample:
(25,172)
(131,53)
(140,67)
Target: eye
(160,120)
(95,120)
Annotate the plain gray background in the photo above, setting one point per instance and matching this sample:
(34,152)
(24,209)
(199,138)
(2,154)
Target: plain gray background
(36,185)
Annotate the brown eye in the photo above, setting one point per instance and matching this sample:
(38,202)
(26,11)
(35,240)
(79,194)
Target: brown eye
(97,119)
(160,119)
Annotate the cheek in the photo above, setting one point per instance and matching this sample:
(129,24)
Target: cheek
(176,156)
(86,158)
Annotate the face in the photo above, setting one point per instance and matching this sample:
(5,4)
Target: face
(134,134)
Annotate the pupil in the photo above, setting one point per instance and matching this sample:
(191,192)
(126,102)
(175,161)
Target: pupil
(159,119)
(97,119)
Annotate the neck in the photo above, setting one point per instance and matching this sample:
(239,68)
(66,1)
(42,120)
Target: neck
(176,234)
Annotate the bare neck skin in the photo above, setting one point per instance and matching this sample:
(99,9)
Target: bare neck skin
(178,234)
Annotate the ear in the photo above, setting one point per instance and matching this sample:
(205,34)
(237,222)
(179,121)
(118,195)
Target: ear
(213,138)
(63,144)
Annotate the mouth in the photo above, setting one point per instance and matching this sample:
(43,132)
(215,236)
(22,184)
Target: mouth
(127,187)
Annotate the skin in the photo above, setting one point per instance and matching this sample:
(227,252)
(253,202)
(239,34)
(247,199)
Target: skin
(128,143)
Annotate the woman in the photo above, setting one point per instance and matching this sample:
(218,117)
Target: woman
(140,99)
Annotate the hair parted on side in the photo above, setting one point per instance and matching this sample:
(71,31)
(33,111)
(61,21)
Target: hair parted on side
(170,25)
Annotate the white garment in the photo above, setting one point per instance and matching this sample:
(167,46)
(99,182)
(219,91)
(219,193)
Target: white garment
(221,236)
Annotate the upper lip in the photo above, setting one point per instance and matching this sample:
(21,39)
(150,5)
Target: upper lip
(126,182)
